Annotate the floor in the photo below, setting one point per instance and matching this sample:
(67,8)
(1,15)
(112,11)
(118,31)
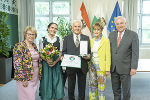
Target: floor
(140,89)
(140,86)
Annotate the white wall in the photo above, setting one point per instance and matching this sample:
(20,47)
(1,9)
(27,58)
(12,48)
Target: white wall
(144,52)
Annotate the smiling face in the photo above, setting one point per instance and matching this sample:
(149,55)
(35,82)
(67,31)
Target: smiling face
(120,24)
(76,27)
(30,36)
(52,29)
(97,31)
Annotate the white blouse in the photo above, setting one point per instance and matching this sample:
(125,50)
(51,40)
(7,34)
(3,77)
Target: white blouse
(50,41)
(95,48)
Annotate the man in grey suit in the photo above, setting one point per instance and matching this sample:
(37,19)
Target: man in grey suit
(71,45)
(124,58)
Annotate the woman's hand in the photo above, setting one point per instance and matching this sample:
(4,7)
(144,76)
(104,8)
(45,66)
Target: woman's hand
(61,58)
(42,57)
(25,83)
(53,64)
(50,62)
(107,73)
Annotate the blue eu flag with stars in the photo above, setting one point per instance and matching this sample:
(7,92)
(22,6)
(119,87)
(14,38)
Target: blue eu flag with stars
(116,12)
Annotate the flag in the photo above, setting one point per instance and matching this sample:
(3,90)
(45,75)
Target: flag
(85,16)
(116,12)
(85,30)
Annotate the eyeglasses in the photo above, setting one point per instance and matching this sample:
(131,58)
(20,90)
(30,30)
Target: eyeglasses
(29,34)
(97,30)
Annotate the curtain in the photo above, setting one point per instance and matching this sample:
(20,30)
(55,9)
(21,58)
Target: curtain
(130,13)
(26,16)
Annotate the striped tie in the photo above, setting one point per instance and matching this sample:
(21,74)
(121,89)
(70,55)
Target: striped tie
(77,41)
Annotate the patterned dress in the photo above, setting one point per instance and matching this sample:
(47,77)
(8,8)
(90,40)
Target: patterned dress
(51,85)
(29,93)
(97,78)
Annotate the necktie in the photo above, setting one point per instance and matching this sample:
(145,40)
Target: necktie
(77,41)
(119,39)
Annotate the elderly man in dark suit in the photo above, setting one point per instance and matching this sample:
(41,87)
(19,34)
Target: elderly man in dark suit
(124,58)
(71,45)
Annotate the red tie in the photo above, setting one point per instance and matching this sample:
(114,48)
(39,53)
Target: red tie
(119,39)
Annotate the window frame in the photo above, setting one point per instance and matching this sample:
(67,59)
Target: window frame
(51,15)
(139,28)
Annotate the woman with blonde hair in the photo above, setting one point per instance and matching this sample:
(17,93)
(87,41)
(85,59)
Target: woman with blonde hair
(27,65)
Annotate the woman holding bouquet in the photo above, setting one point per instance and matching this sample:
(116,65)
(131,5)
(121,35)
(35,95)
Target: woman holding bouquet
(51,86)
(27,65)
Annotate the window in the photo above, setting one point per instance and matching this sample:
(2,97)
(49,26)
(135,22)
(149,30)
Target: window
(47,11)
(144,21)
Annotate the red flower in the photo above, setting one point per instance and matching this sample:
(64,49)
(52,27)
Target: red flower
(47,53)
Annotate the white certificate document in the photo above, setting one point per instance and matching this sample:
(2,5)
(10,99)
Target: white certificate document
(83,48)
(71,61)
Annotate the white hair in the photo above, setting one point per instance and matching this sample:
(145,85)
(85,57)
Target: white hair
(120,17)
(74,21)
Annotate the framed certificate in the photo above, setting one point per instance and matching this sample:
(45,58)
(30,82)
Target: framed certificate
(83,48)
(71,61)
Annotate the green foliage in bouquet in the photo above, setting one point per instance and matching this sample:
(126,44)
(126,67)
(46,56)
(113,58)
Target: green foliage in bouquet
(49,51)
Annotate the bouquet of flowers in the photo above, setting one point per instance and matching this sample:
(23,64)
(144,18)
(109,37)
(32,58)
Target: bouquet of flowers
(49,51)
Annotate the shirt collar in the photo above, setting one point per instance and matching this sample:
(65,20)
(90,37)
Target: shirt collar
(121,34)
(50,40)
(99,37)
(74,35)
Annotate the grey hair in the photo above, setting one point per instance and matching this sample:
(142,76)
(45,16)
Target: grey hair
(120,17)
(74,21)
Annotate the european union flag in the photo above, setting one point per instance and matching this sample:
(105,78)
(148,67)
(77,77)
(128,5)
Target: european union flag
(116,12)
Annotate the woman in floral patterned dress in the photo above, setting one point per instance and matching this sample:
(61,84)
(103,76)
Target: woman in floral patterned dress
(27,65)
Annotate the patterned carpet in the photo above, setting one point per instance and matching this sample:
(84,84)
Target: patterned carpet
(140,89)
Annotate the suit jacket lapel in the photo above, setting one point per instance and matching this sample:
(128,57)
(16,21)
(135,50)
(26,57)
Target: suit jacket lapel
(115,38)
(81,37)
(71,39)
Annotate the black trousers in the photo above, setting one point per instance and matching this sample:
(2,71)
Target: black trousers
(81,84)
(64,74)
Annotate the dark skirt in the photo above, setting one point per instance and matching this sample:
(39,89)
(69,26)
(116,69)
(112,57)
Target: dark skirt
(51,85)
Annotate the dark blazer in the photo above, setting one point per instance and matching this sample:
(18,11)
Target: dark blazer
(125,57)
(70,48)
